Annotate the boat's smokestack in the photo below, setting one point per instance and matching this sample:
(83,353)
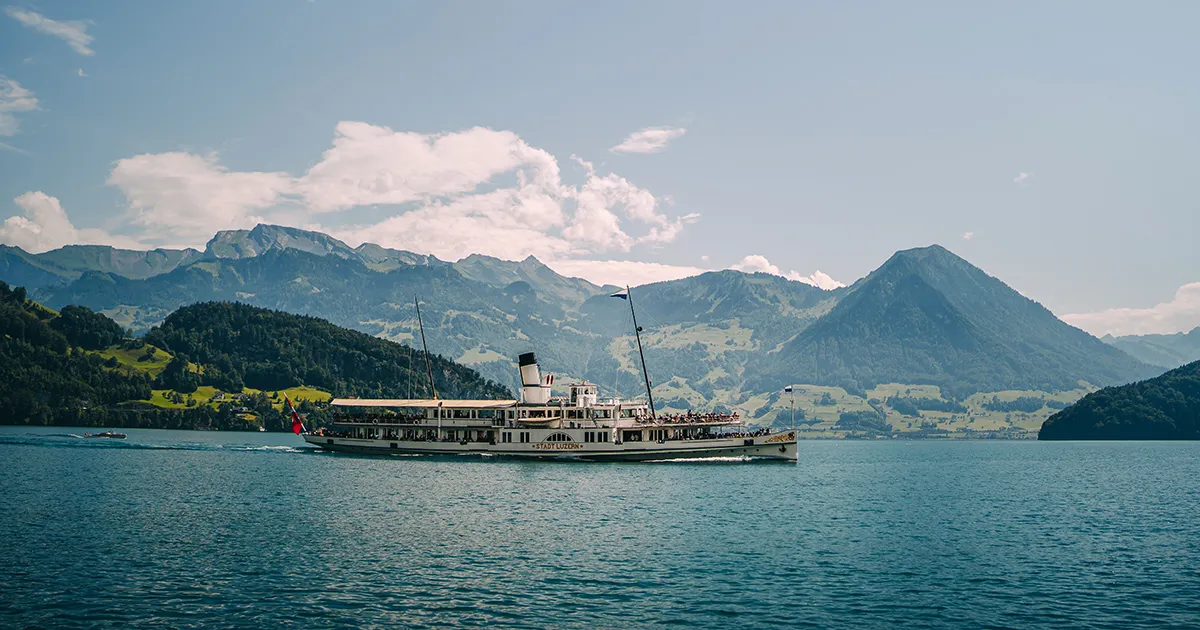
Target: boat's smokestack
(532,389)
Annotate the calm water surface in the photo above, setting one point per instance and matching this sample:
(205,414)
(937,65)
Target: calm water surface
(191,529)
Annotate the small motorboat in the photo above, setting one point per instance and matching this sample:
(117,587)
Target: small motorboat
(106,434)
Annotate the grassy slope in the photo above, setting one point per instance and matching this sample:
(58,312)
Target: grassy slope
(132,360)
(819,420)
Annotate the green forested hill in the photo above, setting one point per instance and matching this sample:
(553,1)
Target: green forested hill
(237,346)
(45,376)
(208,366)
(1163,408)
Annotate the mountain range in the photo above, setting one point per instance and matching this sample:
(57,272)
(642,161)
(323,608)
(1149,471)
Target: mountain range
(926,318)
(1168,351)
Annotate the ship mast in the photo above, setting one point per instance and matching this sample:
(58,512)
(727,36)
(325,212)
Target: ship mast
(637,332)
(428,365)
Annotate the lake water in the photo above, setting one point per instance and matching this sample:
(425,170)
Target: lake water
(197,529)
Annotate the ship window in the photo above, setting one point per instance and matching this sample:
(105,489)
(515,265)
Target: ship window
(558,437)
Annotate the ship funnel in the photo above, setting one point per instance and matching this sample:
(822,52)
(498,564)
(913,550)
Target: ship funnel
(533,391)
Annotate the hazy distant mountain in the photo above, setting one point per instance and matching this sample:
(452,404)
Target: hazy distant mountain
(1169,351)
(384,259)
(544,281)
(264,238)
(927,316)
(20,268)
(1163,408)
(123,262)
(548,285)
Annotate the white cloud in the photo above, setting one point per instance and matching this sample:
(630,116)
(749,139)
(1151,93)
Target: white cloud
(622,272)
(188,197)
(968,236)
(45,226)
(14,99)
(1021,177)
(757,263)
(649,140)
(1179,315)
(80,72)
(704,258)
(370,164)
(74,32)
(444,186)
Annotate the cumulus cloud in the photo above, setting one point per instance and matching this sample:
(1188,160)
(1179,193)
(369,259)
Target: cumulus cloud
(188,197)
(80,72)
(968,236)
(756,263)
(44,225)
(73,32)
(622,272)
(649,140)
(1180,314)
(14,100)
(472,191)
(1021,178)
(370,164)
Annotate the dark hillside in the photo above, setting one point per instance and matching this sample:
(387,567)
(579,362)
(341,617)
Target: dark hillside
(273,350)
(1163,408)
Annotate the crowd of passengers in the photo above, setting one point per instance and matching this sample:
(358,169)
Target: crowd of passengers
(669,418)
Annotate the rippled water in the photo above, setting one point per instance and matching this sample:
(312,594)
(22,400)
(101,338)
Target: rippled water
(189,529)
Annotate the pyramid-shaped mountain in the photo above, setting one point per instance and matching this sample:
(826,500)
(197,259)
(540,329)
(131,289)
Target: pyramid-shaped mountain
(927,316)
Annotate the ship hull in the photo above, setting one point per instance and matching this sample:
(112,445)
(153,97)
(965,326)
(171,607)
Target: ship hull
(778,446)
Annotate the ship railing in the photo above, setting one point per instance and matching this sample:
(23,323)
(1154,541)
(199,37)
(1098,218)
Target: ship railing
(379,419)
(693,419)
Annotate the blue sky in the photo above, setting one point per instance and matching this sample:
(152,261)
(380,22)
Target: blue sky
(1050,144)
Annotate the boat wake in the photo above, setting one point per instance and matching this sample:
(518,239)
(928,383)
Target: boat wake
(733,459)
(275,448)
(75,440)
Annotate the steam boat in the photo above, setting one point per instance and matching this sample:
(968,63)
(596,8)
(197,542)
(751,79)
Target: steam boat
(580,425)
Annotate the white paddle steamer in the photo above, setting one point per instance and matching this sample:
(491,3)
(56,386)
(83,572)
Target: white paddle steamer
(540,425)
